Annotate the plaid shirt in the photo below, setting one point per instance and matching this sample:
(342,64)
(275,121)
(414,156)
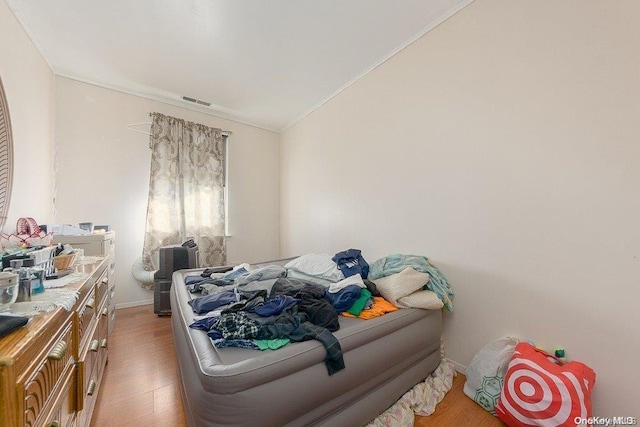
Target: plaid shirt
(236,325)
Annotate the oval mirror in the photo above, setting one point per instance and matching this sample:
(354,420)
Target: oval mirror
(6,157)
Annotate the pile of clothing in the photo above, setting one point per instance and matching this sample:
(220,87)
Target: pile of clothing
(270,306)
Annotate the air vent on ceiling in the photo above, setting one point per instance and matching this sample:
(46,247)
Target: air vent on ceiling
(196,101)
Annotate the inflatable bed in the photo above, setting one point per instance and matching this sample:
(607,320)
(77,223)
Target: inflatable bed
(306,340)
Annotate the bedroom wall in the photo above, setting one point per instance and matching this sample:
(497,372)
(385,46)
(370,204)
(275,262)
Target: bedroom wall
(29,88)
(102,176)
(504,146)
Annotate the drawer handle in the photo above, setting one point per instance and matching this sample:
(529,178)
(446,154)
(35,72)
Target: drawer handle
(91,388)
(91,302)
(103,344)
(54,423)
(105,280)
(94,345)
(105,312)
(58,351)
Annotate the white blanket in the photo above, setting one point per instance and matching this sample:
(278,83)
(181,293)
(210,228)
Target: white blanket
(316,265)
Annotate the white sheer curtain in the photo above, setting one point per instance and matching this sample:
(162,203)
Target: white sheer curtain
(186,190)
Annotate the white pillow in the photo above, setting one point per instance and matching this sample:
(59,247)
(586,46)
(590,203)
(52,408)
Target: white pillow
(421,299)
(399,285)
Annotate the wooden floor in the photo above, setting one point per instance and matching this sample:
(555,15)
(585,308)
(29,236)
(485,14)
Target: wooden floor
(458,410)
(140,385)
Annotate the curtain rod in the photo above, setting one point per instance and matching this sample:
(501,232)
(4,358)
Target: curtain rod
(129,127)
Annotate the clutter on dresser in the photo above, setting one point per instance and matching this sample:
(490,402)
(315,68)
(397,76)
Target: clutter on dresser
(8,287)
(25,268)
(66,230)
(39,271)
(28,234)
(22,282)
(63,260)
(32,266)
(87,226)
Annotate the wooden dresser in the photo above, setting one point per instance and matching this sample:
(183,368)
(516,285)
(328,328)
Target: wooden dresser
(98,245)
(50,370)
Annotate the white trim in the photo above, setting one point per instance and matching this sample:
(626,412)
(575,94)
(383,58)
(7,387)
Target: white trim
(459,367)
(448,14)
(29,33)
(179,102)
(207,110)
(134,304)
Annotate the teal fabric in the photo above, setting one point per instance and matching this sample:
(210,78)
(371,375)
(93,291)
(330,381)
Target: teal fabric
(395,263)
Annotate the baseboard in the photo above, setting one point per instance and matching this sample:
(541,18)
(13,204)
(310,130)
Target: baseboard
(459,367)
(134,303)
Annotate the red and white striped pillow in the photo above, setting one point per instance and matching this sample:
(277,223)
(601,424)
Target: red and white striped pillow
(539,390)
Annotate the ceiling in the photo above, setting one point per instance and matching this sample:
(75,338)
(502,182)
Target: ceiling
(264,63)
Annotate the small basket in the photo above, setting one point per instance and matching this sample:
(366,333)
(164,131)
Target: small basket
(63,262)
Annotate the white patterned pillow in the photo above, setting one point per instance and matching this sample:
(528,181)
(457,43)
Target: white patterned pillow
(399,285)
(421,299)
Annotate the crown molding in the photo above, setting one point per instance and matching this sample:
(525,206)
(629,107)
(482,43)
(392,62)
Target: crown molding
(170,99)
(218,111)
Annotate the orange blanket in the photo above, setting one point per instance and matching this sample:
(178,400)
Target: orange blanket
(380,306)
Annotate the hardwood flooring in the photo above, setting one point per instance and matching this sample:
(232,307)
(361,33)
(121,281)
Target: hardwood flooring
(141,386)
(456,409)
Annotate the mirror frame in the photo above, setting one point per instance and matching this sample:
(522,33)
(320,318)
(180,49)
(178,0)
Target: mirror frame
(6,157)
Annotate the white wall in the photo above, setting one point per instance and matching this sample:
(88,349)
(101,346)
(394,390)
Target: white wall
(103,176)
(29,88)
(504,146)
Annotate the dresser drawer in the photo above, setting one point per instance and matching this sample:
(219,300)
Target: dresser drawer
(103,337)
(89,374)
(64,413)
(102,288)
(56,363)
(47,366)
(88,392)
(86,313)
(112,314)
